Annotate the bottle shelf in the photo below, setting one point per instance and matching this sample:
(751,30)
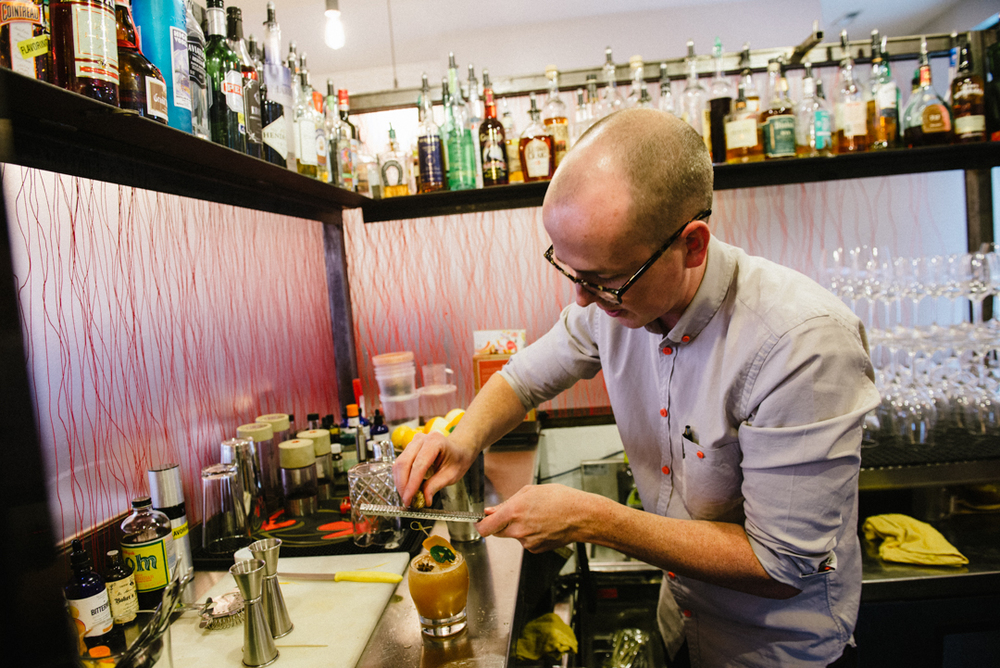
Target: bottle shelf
(46,127)
(727,177)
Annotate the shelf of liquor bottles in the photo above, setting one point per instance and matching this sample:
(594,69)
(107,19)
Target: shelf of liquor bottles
(727,177)
(46,127)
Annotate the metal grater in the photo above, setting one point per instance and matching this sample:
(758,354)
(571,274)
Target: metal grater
(421,514)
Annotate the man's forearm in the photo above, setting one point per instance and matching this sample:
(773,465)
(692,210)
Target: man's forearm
(715,552)
(491,415)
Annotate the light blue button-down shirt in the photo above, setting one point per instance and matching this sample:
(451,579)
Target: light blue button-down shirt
(772,375)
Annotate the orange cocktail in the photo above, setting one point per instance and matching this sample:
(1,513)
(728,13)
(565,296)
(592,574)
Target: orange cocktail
(439,587)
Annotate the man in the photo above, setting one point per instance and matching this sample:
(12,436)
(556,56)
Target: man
(739,388)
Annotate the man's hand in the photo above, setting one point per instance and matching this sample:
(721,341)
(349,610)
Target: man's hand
(442,455)
(540,517)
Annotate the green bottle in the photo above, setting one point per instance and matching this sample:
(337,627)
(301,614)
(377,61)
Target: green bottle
(224,71)
(459,145)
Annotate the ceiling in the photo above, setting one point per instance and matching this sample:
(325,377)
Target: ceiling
(522,34)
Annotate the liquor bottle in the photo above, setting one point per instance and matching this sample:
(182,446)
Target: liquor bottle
(251,81)
(256,55)
(394,169)
(314,105)
(474,105)
(512,142)
(196,67)
(746,77)
(850,111)
(224,72)
(84,48)
(369,183)
(645,99)
(778,120)
(429,149)
(89,605)
(611,100)
(536,149)
(24,40)
(992,92)
(812,121)
(720,101)
(162,26)
(581,116)
(141,87)
(637,70)
(492,141)
(357,167)
(593,100)
(882,100)
(953,49)
(305,129)
(148,548)
(459,144)
(694,100)
(273,130)
(744,139)
(927,119)
(554,116)
(278,81)
(121,589)
(967,107)
(666,102)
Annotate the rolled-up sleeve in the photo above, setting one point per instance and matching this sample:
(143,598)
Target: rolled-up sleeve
(555,362)
(811,388)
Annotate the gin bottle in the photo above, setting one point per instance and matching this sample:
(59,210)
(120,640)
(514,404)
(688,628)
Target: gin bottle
(430,153)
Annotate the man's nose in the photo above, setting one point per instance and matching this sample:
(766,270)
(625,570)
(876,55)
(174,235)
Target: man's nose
(584,297)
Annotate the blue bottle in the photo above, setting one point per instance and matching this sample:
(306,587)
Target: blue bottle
(162,28)
(89,604)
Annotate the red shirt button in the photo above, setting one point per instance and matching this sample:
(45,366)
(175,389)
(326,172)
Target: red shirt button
(671,575)
(685,338)
(666,470)
(663,412)
(701,455)
(687,613)
(668,350)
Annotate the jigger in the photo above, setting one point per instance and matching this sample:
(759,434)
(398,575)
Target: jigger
(258,645)
(266,550)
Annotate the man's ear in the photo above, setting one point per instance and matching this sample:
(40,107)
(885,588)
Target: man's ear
(696,244)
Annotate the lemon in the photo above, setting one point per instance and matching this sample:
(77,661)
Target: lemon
(402,435)
(436,424)
(452,418)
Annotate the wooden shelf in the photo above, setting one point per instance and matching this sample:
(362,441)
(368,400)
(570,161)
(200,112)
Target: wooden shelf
(46,127)
(727,177)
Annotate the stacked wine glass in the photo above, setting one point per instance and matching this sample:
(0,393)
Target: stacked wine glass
(935,358)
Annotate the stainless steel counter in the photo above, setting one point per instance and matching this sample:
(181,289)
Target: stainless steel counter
(494,576)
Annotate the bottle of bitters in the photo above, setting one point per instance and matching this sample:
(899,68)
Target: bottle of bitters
(89,605)
(121,589)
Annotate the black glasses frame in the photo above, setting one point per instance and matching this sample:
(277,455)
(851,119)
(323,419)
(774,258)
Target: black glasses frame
(616,293)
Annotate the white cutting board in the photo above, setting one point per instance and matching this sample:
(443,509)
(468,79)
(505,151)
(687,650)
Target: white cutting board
(339,616)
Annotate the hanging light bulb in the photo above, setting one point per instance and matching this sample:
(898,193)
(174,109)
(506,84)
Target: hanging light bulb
(334,28)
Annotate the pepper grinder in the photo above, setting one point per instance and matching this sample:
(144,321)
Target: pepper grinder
(258,646)
(266,550)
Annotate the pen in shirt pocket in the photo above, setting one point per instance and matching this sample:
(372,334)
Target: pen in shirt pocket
(689,435)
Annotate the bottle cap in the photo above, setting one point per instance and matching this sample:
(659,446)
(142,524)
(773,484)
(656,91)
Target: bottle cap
(352,410)
(312,416)
(78,557)
(296,454)
(635,61)
(278,421)
(142,502)
(165,486)
(320,439)
(256,431)
(335,447)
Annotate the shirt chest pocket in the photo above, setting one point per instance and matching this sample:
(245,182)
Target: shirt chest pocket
(712,481)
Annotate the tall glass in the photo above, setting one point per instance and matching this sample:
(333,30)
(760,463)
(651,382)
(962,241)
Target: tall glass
(440,591)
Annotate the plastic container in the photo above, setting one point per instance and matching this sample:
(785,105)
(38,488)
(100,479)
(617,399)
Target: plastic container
(399,410)
(396,374)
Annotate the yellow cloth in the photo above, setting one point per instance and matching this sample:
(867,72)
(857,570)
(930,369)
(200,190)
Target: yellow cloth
(546,636)
(911,541)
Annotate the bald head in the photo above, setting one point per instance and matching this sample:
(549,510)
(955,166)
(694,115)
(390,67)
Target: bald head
(661,161)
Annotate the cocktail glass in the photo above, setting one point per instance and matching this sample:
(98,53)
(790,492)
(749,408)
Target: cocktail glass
(440,590)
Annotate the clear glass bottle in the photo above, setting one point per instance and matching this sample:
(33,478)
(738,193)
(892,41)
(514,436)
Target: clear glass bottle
(593,101)
(666,102)
(277,79)
(196,71)
(251,81)
(967,106)
(777,122)
(744,140)
(344,107)
(746,78)
(224,71)
(305,129)
(720,102)
(338,134)
(581,116)
(537,153)
(369,183)
(474,118)
(323,158)
(882,99)
(555,117)
(611,100)
(927,118)
(812,121)
(148,547)
(492,140)
(850,109)
(637,69)
(430,151)
(141,87)
(512,143)
(394,169)
(694,99)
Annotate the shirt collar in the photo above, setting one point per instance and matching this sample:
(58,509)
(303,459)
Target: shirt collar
(719,268)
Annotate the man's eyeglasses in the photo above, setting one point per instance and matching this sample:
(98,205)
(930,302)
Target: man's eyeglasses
(615,294)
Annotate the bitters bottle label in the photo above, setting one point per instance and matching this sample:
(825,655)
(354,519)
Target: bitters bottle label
(124,603)
(92,613)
